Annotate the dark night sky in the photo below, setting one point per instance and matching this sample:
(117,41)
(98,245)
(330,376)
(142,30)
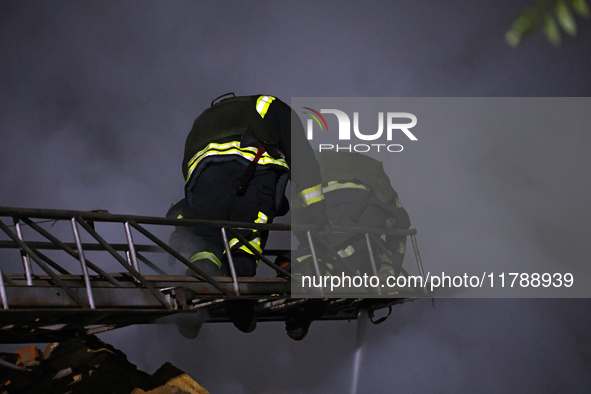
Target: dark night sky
(96,100)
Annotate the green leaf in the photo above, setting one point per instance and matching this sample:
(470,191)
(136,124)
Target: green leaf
(581,8)
(512,38)
(566,19)
(522,26)
(551,30)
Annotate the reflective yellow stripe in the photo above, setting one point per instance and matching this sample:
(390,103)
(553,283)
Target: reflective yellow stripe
(398,204)
(263,103)
(312,195)
(401,248)
(256,239)
(206,255)
(348,251)
(232,148)
(255,243)
(334,185)
(180,216)
(261,218)
(302,258)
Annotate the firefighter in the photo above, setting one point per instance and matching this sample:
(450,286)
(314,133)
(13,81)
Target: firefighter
(358,193)
(236,166)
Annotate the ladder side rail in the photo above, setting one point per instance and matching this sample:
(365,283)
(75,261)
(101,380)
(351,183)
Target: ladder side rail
(371,230)
(55,214)
(120,247)
(9,281)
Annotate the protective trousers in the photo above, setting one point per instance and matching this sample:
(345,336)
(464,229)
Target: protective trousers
(213,197)
(341,207)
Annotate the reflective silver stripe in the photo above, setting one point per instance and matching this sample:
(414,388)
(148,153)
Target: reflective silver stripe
(256,239)
(263,103)
(232,148)
(256,243)
(261,218)
(206,255)
(334,185)
(348,251)
(312,195)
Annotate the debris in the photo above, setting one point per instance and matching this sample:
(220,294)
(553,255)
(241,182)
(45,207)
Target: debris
(87,365)
(29,356)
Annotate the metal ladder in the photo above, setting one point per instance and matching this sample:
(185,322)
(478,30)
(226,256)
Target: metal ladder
(57,304)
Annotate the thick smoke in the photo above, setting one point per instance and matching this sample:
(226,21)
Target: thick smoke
(97,99)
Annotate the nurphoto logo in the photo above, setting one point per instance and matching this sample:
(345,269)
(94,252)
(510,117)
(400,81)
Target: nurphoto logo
(396,122)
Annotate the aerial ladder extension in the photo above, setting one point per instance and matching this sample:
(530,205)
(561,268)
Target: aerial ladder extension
(52,290)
